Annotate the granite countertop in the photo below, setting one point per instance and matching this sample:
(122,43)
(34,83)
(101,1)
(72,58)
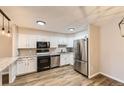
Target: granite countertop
(65,52)
(5,62)
(51,54)
(27,56)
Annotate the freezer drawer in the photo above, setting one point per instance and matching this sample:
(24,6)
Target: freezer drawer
(81,66)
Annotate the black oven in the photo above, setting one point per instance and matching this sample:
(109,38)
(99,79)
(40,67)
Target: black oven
(43,63)
(43,45)
(42,50)
(43,59)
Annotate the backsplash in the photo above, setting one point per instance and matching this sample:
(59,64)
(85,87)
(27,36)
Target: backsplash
(27,52)
(53,50)
(31,52)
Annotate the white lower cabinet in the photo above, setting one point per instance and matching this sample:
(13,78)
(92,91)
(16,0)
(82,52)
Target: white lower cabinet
(21,66)
(71,59)
(26,65)
(66,58)
(63,59)
(32,64)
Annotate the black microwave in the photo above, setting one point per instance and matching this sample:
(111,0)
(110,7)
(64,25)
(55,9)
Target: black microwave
(43,44)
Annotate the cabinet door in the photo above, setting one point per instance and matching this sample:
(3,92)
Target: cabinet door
(31,42)
(22,42)
(70,42)
(71,58)
(21,67)
(32,65)
(27,41)
(34,40)
(63,59)
(64,40)
(53,42)
(66,59)
(26,65)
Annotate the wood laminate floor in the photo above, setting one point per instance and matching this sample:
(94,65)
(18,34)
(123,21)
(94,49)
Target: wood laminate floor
(63,76)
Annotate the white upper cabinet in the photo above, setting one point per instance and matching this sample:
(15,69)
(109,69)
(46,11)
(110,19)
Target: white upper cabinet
(62,40)
(29,40)
(56,40)
(53,42)
(70,42)
(22,41)
(26,41)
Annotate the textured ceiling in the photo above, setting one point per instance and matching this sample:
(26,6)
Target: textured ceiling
(60,18)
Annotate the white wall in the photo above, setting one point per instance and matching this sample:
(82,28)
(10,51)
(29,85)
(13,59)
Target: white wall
(14,40)
(93,50)
(112,50)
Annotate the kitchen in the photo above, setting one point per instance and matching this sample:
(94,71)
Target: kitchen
(39,47)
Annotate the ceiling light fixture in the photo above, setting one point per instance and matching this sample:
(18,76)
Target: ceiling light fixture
(3,32)
(71,29)
(41,23)
(121,26)
(3,24)
(8,33)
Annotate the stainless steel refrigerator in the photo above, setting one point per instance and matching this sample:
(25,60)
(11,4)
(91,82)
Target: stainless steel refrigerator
(81,56)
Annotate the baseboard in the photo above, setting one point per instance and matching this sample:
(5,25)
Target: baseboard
(114,78)
(25,74)
(64,65)
(93,75)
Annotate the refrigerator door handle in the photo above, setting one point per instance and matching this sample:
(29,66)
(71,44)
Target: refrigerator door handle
(82,61)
